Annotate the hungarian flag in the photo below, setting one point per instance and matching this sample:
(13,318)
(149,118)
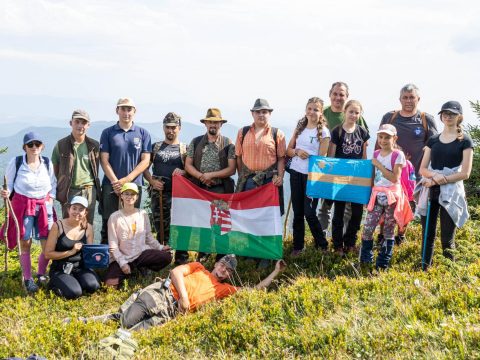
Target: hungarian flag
(347,180)
(247,223)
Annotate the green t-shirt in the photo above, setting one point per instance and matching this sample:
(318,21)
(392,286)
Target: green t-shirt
(336,118)
(82,174)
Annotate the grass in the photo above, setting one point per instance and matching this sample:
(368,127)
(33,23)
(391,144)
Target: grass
(322,306)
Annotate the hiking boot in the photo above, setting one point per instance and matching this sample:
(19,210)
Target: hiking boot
(296,253)
(30,286)
(380,240)
(399,239)
(43,280)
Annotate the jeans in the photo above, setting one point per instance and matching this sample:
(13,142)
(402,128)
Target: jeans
(447,229)
(304,207)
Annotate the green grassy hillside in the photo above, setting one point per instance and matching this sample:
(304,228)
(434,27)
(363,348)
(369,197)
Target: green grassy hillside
(323,306)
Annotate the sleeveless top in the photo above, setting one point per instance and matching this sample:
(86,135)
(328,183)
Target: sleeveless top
(65,244)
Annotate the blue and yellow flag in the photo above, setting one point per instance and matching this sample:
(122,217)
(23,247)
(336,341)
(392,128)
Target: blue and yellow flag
(347,180)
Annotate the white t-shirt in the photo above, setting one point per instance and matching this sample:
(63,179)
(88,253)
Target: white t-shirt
(386,161)
(307,141)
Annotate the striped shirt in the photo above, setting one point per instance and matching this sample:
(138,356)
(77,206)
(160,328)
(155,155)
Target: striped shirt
(260,155)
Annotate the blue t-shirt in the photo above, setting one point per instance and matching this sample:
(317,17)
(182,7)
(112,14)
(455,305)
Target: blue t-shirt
(125,149)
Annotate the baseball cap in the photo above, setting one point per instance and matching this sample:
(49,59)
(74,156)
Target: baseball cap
(230,261)
(129,186)
(80,114)
(387,129)
(125,102)
(79,200)
(452,106)
(172,119)
(31,136)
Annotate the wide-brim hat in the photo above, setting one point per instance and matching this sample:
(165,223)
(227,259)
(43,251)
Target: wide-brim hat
(129,186)
(213,114)
(452,106)
(261,104)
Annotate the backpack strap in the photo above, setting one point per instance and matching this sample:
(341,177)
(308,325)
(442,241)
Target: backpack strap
(46,160)
(394,116)
(394,157)
(375,153)
(244,132)
(156,148)
(18,163)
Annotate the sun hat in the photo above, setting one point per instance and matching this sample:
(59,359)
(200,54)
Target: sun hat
(125,102)
(387,129)
(31,136)
(80,114)
(230,261)
(452,106)
(261,104)
(172,119)
(129,186)
(213,114)
(79,200)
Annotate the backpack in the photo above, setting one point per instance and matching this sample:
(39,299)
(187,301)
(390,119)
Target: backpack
(18,163)
(407,178)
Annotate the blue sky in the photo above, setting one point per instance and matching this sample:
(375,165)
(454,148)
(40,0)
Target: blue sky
(179,55)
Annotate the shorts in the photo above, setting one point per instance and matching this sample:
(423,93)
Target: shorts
(30,223)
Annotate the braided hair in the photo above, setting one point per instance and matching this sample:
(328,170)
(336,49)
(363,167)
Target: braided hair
(302,123)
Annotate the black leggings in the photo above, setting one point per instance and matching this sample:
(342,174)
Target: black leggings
(71,286)
(447,229)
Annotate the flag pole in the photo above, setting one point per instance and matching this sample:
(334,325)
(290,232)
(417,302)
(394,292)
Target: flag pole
(286,218)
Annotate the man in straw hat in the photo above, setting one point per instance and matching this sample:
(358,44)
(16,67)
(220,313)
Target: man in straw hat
(124,155)
(210,159)
(168,159)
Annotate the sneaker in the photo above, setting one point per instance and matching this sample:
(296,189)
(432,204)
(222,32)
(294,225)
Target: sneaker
(30,286)
(43,280)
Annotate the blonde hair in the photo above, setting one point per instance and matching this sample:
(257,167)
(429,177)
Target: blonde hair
(302,123)
(350,103)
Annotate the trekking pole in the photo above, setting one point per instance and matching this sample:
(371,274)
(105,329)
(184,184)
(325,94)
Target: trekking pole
(160,203)
(6,225)
(286,218)
(425,234)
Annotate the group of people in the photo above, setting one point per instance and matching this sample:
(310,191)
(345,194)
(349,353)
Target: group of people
(259,155)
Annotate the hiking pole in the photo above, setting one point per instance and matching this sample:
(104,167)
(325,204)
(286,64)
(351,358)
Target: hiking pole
(286,218)
(425,234)
(160,203)
(6,225)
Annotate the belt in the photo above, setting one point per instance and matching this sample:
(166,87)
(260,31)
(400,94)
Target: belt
(82,187)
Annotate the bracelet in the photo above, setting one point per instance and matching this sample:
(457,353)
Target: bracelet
(445,178)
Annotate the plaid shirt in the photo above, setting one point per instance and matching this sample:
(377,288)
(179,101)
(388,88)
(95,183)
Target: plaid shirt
(259,156)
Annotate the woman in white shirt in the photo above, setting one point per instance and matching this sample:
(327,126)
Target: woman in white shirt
(311,137)
(31,178)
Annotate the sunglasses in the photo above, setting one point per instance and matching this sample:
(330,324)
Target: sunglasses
(34,143)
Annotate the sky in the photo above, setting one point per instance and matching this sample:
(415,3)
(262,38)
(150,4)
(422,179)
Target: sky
(187,56)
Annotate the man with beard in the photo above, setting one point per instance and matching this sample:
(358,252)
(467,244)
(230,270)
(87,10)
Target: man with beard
(210,159)
(168,159)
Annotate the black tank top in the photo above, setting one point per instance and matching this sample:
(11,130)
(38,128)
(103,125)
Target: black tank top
(66,244)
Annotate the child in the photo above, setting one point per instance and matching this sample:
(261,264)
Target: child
(349,141)
(388,198)
(311,137)
(447,161)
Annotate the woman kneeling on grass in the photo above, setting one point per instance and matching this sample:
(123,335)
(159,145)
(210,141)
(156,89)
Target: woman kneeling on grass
(132,244)
(64,247)
(388,199)
(447,161)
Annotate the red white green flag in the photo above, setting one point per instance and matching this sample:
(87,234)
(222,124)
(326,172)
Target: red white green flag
(247,223)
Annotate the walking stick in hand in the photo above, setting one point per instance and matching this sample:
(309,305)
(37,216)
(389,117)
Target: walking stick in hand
(160,201)
(425,234)
(6,224)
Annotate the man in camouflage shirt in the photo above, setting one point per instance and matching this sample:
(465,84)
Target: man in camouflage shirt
(211,160)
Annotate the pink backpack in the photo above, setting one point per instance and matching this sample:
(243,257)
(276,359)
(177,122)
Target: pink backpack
(407,178)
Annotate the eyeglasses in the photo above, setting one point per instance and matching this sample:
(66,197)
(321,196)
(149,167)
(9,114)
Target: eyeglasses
(449,114)
(34,143)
